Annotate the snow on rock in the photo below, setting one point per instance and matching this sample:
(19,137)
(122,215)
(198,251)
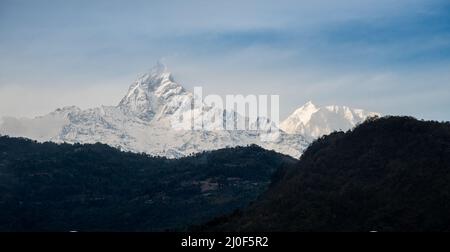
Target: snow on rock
(143,121)
(313,122)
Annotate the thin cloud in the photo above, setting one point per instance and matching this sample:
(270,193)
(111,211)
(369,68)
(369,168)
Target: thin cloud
(350,52)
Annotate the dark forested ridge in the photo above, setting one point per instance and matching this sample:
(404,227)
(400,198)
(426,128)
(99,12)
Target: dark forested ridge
(62,187)
(388,174)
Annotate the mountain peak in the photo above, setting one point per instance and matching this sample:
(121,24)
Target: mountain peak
(160,69)
(151,92)
(309,104)
(156,76)
(313,122)
(304,113)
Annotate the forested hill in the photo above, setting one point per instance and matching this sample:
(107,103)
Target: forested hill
(62,187)
(388,174)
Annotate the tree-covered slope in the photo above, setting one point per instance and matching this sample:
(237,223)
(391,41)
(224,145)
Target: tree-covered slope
(388,174)
(51,187)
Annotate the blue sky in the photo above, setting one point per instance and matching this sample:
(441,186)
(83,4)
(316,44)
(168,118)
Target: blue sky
(387,56)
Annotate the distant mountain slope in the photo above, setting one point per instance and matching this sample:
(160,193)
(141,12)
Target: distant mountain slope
(389,174)
(143,122)
(312,122)
(51,187)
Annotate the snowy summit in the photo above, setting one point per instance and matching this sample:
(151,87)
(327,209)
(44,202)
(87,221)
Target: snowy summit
(141,122)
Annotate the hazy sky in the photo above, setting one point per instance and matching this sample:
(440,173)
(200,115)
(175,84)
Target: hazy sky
(387,56)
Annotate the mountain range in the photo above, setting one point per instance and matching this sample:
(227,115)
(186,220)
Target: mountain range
(143,122)
(312,122)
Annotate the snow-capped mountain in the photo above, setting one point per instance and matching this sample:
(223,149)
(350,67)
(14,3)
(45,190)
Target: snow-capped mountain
(155,95)
(312,122)
(143,121)
(147,120)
